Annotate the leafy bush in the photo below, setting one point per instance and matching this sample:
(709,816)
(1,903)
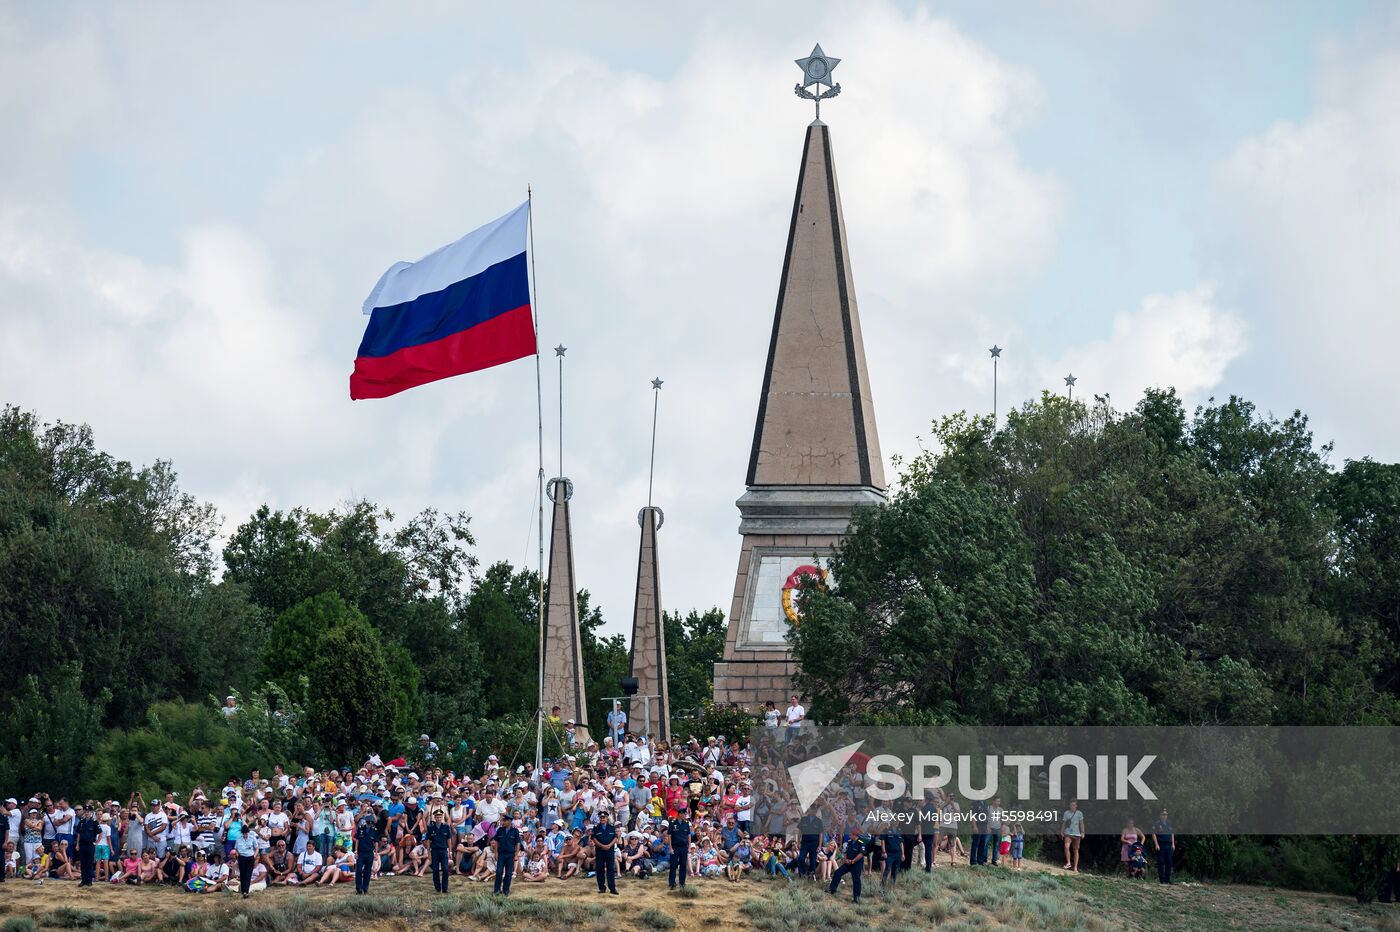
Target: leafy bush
(183,745)
(728,720)
(49,724)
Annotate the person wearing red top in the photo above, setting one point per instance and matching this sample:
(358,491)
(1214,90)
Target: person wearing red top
(676,803)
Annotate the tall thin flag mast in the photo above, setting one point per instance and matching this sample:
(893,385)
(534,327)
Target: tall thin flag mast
(539,411)
(656,384)
(996,354)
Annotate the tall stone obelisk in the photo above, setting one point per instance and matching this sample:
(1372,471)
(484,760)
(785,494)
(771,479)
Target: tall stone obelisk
(648,625)
(649,632)
(563,646)
(816,454)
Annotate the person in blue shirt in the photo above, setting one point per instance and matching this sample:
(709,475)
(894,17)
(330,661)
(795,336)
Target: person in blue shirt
(852,861)
(439,837)
(894,858)
(1163,841)
(810,829)
(729,835)
(681,833)
(507,845)
(605,853)
(247,848)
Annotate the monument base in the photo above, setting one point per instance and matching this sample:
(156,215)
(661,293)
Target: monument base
(751,683)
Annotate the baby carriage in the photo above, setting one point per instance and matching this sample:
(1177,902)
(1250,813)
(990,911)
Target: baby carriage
(1137,860)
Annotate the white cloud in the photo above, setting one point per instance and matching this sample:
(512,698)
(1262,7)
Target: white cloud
(217,329)
(1183,340)
(1307,238)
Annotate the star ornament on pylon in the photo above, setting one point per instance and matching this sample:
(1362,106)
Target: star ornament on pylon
(816,72)
(560,350)
(995,351)
(817,67)
(656,383)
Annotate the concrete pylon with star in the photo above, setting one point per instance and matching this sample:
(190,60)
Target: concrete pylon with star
(816,453)
(563,645)
(648,623)
(562,682)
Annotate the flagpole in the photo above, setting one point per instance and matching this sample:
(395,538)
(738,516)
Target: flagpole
(655,406)
(539,411)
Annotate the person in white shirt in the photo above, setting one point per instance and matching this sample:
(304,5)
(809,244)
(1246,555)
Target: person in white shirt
(489,808)
(795,715)
(14,816)
(180,833)
(309,866)
(157,827)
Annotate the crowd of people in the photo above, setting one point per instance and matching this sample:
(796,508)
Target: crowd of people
(627,807)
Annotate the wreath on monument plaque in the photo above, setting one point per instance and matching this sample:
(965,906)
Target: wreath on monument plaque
(806,574)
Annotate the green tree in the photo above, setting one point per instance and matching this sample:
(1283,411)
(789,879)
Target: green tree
(350,706)
(296,636)
(1137,567)
(109,565)
(408,580)
(606,661)
(694,644)
(502,617)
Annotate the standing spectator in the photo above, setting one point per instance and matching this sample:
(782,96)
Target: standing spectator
(771,717)
(6,830)
(977,855)
(64,822)
(155,826)
(1127,838)
(617,723)
(994,830)
(230,707)
(795,716)
(1163,842)
(1072,831)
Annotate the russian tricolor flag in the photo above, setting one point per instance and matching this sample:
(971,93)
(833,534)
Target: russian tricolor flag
(462,308)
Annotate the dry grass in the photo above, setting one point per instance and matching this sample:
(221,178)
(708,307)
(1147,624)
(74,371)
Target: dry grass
(959,898)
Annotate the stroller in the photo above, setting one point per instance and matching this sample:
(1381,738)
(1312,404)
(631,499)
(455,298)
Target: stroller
(1137,860)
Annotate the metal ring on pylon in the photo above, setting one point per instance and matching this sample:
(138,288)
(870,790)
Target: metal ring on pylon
(660,517)
(568,488)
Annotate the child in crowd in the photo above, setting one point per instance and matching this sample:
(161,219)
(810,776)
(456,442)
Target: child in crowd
(1137,860)
(1018,843)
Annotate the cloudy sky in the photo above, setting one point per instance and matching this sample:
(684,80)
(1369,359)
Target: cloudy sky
(195,199)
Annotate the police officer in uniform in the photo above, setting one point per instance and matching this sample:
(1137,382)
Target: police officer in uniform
(439,838)
(605,850)
(681,833)
(810,828)
(366,837)
(894,858)
(1163,840)
(507,844)
(852,860)
(88,831)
